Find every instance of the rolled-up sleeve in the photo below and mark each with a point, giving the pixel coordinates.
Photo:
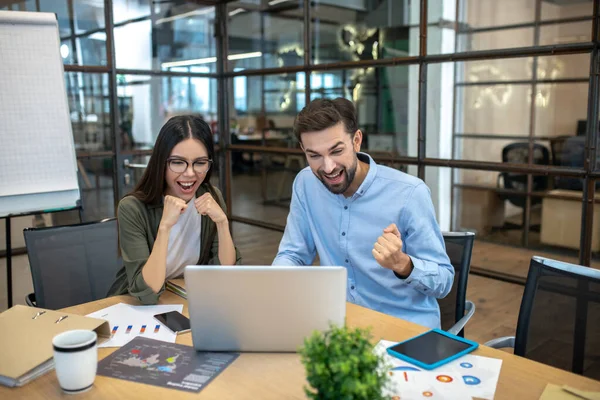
(135, 250)
(423, 242)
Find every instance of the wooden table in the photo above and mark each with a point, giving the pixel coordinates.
(281, 376)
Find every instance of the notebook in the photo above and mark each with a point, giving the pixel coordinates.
(177, 286)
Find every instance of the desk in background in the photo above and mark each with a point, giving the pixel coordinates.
(481, 208)
(244, 160)
(561, 220)
(281, 376)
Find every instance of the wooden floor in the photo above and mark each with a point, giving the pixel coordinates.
(513, 260)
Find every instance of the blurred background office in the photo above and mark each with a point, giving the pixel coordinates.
(493, 103)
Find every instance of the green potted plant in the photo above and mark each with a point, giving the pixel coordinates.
(340, 364)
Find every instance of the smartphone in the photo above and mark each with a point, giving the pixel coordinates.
(175, 321)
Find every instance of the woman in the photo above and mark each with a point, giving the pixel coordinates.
(174, 217)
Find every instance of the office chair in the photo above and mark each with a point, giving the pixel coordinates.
(572, 155)
(72, 264)
(559, 318)
(459, 247)
(556, 147)
(518, 153)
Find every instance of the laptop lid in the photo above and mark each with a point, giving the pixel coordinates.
(262, 308)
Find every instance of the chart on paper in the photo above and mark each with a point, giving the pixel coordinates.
(163, 364)
(128, 322)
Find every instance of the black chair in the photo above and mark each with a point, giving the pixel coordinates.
(572, 155)
(459, 247)
(556, 147)
(518, 153)
(72, 264)
(559, 319)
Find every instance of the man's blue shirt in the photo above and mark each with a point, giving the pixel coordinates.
(343, 231)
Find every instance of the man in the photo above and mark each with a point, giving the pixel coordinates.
(376, 221)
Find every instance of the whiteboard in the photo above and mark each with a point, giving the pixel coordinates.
(38, 167)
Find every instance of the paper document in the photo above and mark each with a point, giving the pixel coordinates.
(172, 366)
(128, 322)
(466, 377)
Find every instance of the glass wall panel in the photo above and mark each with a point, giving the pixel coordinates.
(486, 92)
(492, 13)
(576, 32)
(264, 109)
(386, 102)
(267, 36)
(483, 109)
(354, 30)
(147, 102)
(511, 69)
(562, 67)
(164, 35)
(88, 98)
(261, 185)
(561, 110)
(566, 9)
(81, 28)
(495, 39)
(96, 185)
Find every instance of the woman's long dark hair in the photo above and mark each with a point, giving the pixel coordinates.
(152, 185)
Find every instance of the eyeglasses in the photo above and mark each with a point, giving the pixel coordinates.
(179, 166)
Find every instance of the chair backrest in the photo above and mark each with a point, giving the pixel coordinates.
(572, 156)
(459, 247)
(72, 264)
(556, 147)
(559, 319)
(518, 153)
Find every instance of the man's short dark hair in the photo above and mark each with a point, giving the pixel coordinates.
(321, 114)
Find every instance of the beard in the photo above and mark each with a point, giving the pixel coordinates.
(348, 177)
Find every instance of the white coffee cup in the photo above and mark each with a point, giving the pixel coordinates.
(76, 359)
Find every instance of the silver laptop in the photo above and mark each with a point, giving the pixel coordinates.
(262, 308)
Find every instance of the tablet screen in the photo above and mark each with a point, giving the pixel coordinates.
(430, 347)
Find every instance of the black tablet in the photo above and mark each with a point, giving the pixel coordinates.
(432, 349)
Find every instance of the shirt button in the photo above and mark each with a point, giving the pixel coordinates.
(352, 287)
(345, 207)
(343, 233)
(346, 260)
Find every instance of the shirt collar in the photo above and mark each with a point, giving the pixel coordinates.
(370, 178)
